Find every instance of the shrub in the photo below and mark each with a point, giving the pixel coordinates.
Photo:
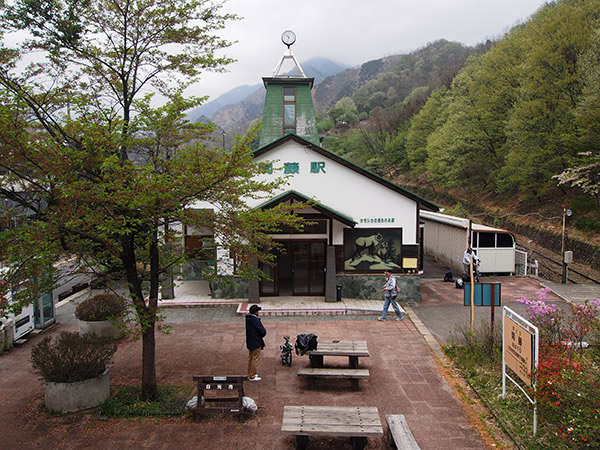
(71, 357)
(568, 397)
(100, 307)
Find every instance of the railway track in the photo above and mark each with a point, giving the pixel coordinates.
(555, 267)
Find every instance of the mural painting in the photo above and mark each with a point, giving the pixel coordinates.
(372, 249)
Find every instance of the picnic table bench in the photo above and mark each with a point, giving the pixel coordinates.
(356, 422)
(220, 394)
(399, 434)
(312, 373)
(352, 349)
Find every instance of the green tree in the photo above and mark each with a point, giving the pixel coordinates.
(422, 126)
(541, 130)
(100, 172)
(584, 169)
(344, 113)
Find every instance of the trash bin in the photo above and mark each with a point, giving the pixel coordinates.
(338, 292)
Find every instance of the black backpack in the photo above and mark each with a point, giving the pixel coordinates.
(305, 342)
(448, 276)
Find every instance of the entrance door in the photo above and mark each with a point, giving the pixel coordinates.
(299, 270)
(269, 287)
(308, 271)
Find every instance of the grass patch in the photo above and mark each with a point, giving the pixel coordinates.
(127, 402)
(513, 413)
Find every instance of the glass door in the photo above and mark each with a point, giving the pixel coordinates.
(269, 287)
(309, 268)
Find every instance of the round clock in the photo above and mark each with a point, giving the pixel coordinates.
(288, 37)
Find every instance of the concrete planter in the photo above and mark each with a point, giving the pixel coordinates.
(103, 328)
(3, 340)
(7, 334)
(69, 397)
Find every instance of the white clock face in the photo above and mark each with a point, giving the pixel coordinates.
(288, 37)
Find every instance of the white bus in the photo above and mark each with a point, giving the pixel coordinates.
(445, 238)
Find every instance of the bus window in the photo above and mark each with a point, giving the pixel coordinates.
(505, 241)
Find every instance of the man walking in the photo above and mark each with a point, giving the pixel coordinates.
(255, 332)
(390, 293)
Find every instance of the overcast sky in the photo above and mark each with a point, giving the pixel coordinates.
(351, 31)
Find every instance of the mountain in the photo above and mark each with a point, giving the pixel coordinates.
(371, 81)
(344, 84)
(234, 110)
(233, 96)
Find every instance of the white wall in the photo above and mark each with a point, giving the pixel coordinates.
(446, 243)
(345, 191)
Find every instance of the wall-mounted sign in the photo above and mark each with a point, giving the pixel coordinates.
(293, 167)
(372, 249)
(377, 220)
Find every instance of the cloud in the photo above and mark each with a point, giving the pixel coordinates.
(351, 31)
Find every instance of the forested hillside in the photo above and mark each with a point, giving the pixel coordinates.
(512, 133)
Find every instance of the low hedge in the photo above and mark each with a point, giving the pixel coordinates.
(101, 307)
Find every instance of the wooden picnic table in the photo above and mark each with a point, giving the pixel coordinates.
(352, 349)
(356, 422)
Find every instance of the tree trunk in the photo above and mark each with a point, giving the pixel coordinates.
(149, 385)
(147, 319)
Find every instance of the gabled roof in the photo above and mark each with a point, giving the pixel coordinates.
(330, 155)
(297, 196)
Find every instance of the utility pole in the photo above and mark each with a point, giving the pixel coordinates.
(562, 249)
(472, 281)
(566, 213)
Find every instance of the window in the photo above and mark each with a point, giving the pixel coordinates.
(505, 241)
(487, 240)
(198, 246)
(492, 240)
(289, 110)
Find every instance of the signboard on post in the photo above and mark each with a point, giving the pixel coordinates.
(482, 294)
(520, 349)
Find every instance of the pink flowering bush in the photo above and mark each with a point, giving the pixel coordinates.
(583, 322)
(556, 326)
(548, 317)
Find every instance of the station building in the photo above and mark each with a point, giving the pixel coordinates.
(364, 224)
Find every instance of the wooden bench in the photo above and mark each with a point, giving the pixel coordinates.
(220, 395)
(312, 373)
(398, 433)
(356, 422)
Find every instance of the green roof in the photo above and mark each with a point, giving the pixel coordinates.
(295, 195)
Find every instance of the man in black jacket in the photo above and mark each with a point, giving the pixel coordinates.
(255, 332)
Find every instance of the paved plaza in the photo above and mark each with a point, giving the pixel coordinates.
(208, 339)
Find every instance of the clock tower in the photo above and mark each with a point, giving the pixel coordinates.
(288, 101)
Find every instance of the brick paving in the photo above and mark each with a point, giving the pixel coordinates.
(210, 341)
(404, 379)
